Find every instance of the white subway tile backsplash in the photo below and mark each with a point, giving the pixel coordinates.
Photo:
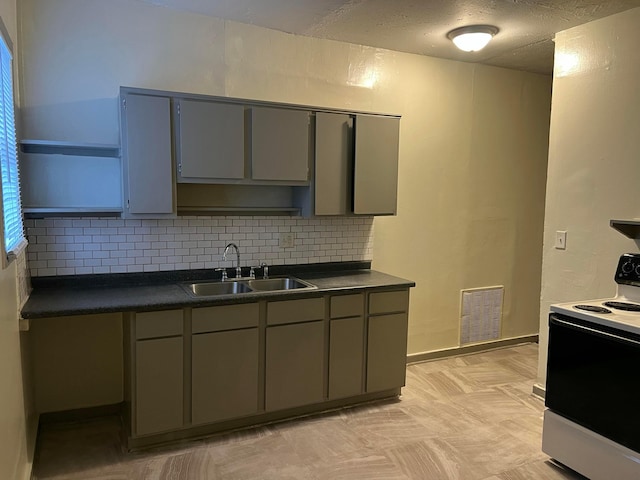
(63, 246)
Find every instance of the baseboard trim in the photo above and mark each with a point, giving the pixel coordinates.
(32, 438)
(80, 414)
(467, 349)
(539, 390)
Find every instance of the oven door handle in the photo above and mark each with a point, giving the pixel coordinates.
(593, 331)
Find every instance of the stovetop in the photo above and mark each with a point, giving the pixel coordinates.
(622, 319)
(621, 311)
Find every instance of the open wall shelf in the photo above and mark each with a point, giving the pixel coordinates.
(69, 148)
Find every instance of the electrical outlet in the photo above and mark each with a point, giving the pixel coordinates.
(561, 240)
(287, 240)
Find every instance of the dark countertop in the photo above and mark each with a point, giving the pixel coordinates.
(89, 295)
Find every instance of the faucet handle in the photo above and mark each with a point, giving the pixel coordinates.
(265, 269)
(224, 273)
(252, 272)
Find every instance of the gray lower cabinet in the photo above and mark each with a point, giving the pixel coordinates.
(294, 370)
(387, 340)
(294, 365)
(225, 362)
(224, 375)
(346, 346)
(238, 361)
(159, 381)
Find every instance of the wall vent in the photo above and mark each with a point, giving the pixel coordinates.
(480, 314)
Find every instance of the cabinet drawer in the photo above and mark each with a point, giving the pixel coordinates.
(347, 306)
(165, 323)
(227, 317)
(292, 311)
(389, 302)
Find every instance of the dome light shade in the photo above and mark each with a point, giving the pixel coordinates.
(473, 37)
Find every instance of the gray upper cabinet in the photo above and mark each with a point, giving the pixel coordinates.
(280, 144)
(356, 164)
(376, 165)
(147, 159)
(333, 181)
(184, 154)
(210, 140)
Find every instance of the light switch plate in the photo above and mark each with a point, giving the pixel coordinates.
(561, 240)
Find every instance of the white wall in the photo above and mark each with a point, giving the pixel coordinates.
(17, 424)
(473, 143)
(594, 166)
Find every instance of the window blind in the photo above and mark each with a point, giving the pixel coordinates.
(14, 239)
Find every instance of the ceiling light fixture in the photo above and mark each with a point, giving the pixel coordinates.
(472, 37)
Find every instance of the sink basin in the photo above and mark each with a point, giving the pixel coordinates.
(275, 284)
(233, 287)
(217, 288)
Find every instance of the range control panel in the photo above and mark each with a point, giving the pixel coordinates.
(628, 271)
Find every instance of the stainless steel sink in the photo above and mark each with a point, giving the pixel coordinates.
(275, 284)
(217, 288)
(234, 287)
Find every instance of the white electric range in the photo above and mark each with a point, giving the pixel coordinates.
(592, 420)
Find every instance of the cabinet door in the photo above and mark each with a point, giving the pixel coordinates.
(333, 164)
(346, 354)
(294, 367)
(159, 385)
(148, 173)
(210, 140)
(376, 165)
(386, 352)
(224, 375)
(279, 144)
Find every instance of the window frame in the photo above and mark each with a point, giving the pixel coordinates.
(8, 256)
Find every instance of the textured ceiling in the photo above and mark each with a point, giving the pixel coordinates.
(524, 42)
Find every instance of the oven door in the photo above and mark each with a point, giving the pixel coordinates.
(593, 378)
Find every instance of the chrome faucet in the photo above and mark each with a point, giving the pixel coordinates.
(224, 257)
